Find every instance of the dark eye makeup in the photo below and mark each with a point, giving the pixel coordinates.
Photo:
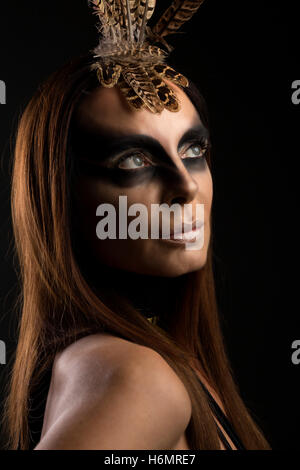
(139, 158)
(136, 159)
(134, 153)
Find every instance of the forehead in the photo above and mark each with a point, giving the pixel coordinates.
(106, 109)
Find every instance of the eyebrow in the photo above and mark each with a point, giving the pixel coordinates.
(195, 132)
(109, 144)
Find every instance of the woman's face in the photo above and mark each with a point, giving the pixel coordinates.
(152, 159)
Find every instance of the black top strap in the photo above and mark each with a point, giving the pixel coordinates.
(223, 438)
(223, 420)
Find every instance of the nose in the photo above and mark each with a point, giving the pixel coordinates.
(180, 186)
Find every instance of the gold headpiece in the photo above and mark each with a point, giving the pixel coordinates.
(127, 54)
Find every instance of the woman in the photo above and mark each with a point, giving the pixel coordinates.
(118, 380)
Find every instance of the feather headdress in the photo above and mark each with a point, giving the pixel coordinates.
(128, 54)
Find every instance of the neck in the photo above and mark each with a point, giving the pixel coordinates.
(151, 295)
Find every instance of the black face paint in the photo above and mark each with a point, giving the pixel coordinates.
(97, 155)
(195, 164)
(116, 176)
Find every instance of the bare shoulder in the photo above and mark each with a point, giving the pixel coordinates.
(126, 394)
(102, 356)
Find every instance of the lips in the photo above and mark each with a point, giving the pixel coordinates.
(186, 229)
(186, 232)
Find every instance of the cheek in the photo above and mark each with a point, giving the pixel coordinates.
(120, 253)
(209, 189)
(89, 194)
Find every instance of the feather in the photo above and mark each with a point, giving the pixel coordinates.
(127, 6)
(165, 93)
(128, 57)
(108, 74)
(175, 16)
(139, 80)
(108, 19)
(134, 101)
(165, 71)
(144, 12)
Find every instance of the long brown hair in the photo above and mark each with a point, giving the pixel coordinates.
(59, 305)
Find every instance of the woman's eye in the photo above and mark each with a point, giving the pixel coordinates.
(133, 162)
(196, 150)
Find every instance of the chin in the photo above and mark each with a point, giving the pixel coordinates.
(175, 266)
(152, 259)
(176, 271)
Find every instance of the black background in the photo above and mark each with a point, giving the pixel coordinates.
(244, 57)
